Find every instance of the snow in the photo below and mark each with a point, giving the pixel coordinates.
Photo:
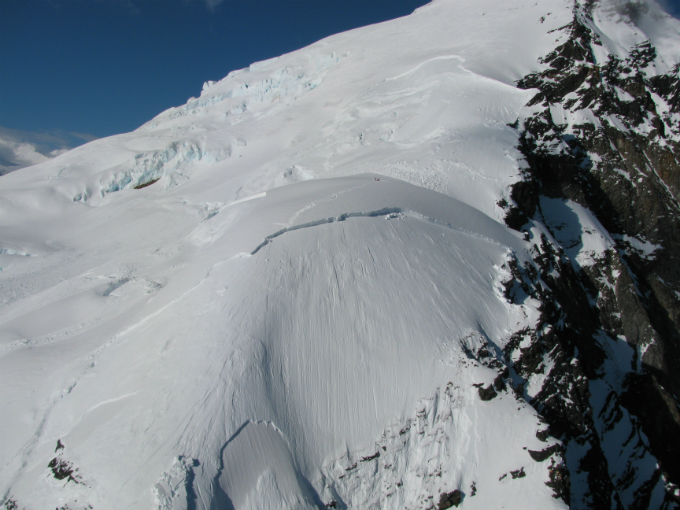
(576, 229)
(316, 249)
(623, 445)
(623, 24)
(535, 383)
(646, 249)
(571, 119)
(349, 314)
(445, 427)
(436, 115)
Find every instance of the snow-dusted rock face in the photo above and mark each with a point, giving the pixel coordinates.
(599, 201)
(423, 264)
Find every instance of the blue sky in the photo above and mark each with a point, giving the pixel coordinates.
(100, 67)
(82, 68)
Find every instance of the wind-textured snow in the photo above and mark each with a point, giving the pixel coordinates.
(282, 314)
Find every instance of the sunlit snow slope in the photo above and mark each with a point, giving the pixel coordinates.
(286, 315)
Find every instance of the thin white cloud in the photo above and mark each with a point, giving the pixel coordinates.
(19, 149)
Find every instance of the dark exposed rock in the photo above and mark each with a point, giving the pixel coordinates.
(62, 469)
(659, 416)
(559, 481)
(542, 455)
(487, 393)
(449, 499)
(370, 457)
(10, 504)
(147, 183)
(543, 434)
(623, 307)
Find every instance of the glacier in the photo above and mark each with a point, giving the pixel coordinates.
(292, 291)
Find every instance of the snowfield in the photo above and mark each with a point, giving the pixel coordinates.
(284, 334)
(277, 295)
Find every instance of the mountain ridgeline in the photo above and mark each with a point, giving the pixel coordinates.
(609, 324)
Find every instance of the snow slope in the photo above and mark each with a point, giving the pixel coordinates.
(310, 274)
(281, 319)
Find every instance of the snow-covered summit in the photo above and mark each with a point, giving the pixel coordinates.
(424, 98)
